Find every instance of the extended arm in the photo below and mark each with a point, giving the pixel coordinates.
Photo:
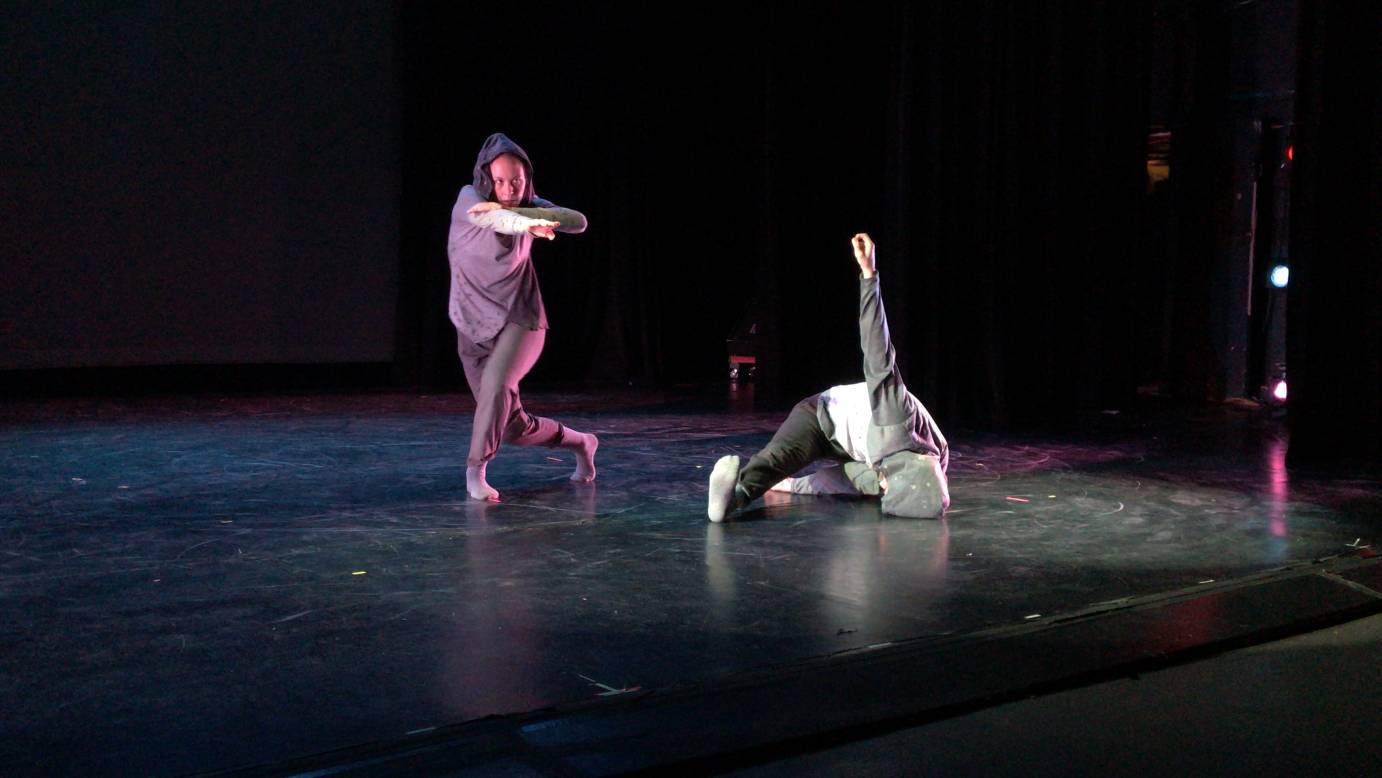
(888, 396)
(473, 211)
(567, 220)
(505, 221)
(542, 221)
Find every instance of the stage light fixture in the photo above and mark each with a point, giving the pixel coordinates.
(1281, 275)
(1279, 391)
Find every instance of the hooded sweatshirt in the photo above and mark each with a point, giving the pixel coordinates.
(493, 281)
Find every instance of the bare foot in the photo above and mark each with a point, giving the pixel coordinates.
(585, 459)
(477, 487)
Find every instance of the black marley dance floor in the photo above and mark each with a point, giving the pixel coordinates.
(297, 585)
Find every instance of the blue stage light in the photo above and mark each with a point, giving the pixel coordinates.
(1280, 276)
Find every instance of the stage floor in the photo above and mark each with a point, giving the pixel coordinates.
(199, 584)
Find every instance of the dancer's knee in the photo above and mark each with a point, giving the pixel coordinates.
(497, 390)
(525, 429)
(519, 428)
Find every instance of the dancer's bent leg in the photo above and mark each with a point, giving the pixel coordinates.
(798, 442)
(499, 413)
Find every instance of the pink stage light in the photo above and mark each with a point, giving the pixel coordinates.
(1279, 391)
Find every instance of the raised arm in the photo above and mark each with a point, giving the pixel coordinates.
(865, 254)
(888, 396)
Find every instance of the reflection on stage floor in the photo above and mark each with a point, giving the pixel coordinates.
(197, 584)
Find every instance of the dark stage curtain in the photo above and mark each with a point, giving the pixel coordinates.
(995, 150)
(1334, 344)
(657, 137)
(211, 187)
(1016, 142)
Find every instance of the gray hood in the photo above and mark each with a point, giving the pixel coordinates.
(917, 487)
(496, 145)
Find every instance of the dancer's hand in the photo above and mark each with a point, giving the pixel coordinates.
(485, 207)
(864, 254)
(544, 228)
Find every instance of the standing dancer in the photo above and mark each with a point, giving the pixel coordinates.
(497, 307)
(884, 437)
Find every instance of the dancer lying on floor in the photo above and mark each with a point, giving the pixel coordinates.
(883, 438)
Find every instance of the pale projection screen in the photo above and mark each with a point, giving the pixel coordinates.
(198, 183)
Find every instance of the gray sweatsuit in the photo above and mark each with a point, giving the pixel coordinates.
(496, 305)
(894, 420)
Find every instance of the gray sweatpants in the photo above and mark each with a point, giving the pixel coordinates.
(493, 376)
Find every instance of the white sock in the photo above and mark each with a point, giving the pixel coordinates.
(723, 480)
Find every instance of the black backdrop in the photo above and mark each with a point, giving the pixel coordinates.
(1335, 326)
(995, 151)
(197, 183)
(291, 169)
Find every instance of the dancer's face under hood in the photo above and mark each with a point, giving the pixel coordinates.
(503, 172)
(510, 180)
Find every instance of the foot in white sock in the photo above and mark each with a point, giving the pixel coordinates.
(722, 482)
(476, 485)
(585, 458)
